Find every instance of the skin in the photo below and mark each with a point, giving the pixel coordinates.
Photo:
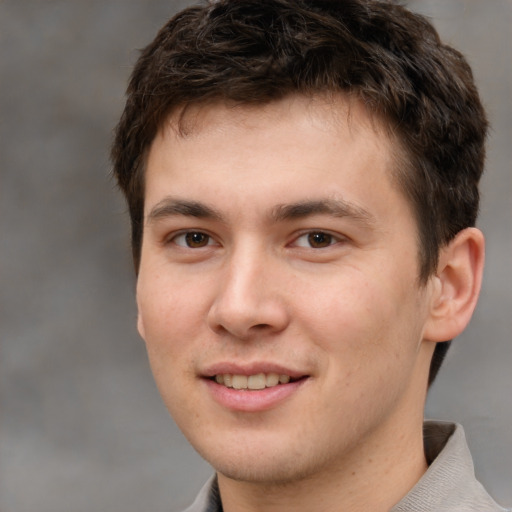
(342, 307)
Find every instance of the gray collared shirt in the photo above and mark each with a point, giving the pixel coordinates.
(449, 484)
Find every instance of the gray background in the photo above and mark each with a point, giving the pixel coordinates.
(82, 426)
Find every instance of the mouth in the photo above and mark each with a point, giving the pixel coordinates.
(254, 382)
(255, 386)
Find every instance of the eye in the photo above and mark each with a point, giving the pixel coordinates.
(316, 240)
(193, 239)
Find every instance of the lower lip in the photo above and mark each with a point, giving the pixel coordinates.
(252, 400)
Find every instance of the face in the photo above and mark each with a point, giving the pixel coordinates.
(278, 289)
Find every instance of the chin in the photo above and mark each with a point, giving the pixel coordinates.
(264, 463)
(269, 472)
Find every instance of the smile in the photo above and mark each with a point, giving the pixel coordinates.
(251, 382)
(253, 392)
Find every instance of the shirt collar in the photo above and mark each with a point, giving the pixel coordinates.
(449, 484)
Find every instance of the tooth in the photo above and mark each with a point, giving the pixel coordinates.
(256, 381)
(272, 380)
(240, 381)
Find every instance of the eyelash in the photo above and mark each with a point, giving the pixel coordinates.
(329, 239)
(187, 239)
(324, 239)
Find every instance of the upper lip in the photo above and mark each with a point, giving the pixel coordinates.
(253, 368)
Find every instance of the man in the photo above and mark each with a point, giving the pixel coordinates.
(302, 178)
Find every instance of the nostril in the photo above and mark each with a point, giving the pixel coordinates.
(246, 318)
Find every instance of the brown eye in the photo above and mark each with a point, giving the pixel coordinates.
(319, 240)
(192, 240)
(196, 239)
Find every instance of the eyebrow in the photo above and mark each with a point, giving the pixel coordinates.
(170, 207)
(333, 207)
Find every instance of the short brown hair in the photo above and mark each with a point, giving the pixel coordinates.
(257, 51)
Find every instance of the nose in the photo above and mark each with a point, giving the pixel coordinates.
(250, 299)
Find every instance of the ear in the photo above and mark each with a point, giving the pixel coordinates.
(456, 285)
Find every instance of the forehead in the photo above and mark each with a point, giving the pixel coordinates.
(298, 137)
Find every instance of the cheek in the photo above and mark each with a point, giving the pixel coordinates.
(168, 315)
(344, 308)
(364, 325)
(169, 324)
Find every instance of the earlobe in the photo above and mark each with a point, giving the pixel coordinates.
(456, 285)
